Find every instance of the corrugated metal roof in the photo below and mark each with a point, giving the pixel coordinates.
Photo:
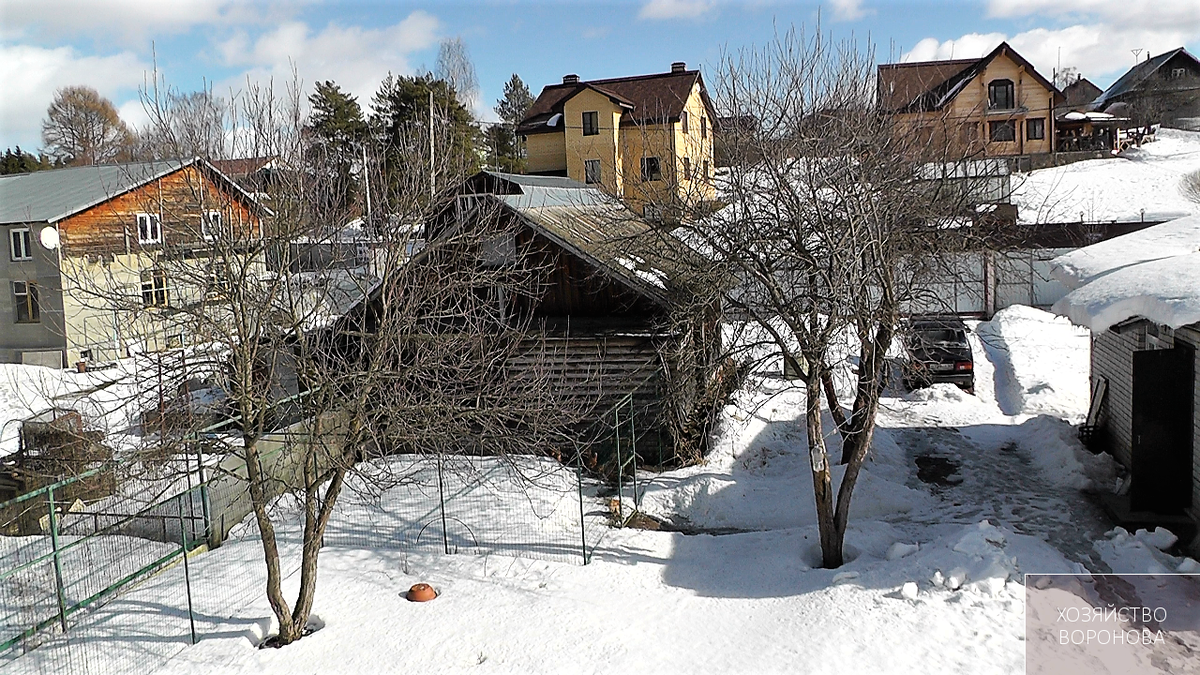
(49, 196)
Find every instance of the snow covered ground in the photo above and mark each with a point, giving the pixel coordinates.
(1142, 184)
(961, 496)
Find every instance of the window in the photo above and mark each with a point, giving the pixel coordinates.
(1178, 73)
(1000, 95)
(18, 239)
(704, 174)
(703, 127)
(1035, 129)
(591, 123)
(154, 288)
(591, 171)
(149, 228)
(1002, 131)
(25, 298)
(210, 224)
(683, 122)
(651, 169)
(687, 168)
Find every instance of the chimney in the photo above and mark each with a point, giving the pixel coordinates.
(678, 67)
(571, 79)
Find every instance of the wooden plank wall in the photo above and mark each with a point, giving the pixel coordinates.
(179, 198)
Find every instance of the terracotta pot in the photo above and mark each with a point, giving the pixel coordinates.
(421, 593)
(81, 366)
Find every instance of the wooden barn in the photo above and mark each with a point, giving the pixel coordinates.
(601, 305)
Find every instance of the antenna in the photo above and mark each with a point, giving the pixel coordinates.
(1137, 54)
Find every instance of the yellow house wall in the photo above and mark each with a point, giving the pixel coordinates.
(602, 146)
(696, 148)
(966, 119)
(546, 152)
(102, 307)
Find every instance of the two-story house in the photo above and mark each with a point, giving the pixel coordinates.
(1164, 89)
(645, 139)
(998, 106)
(84, 274)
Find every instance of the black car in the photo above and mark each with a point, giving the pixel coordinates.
(937, 351)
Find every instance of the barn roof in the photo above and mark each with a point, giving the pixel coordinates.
(588, 223)
(50, 196)
(648, 98)
(1136, 75)
(930, 85)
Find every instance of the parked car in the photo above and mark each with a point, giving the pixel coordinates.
(937, 351)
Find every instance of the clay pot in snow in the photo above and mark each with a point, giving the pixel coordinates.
(421, 593)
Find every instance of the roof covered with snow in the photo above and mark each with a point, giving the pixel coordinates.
(1143, 183)
(1152, 274)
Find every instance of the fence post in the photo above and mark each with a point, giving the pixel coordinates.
(442, 502)
(58, 582)
(579, 484)
(187, 572)
(633, 457)
(620, 464)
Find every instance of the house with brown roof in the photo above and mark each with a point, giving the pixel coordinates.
(998, 105)
(646, 139)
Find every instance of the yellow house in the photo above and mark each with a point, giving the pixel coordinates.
(646, 139)
(998, 105)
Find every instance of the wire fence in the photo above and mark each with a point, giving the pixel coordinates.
(122, 559)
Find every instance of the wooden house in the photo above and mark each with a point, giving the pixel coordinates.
(998, 105)
(598, 303)
(646, 139)
(1160, 90)
(83, 272)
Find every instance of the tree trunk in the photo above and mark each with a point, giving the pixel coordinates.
(835, 407)
(316, 516)
(258, 499)
(831, 543)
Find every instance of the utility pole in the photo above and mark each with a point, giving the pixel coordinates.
(431, 179)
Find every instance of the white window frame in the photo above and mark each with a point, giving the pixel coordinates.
(153, 222)
(26, 244)
(208, 228)
(588, 175)
(32, 302)
(160, 295)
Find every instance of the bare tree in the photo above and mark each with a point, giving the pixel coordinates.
(83, 127)
(454, 65)
(833, 217)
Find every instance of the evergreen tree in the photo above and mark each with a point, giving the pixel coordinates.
(511, 108)
(400, 123)
(335, 134)
(19, 161)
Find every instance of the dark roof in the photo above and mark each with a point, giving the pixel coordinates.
(648, 98)
(50, 196)
(587, 222)
(1136, 75)
(1080, 92)
(239, 168)
(930, 85)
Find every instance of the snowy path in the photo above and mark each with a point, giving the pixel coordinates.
(995, 479)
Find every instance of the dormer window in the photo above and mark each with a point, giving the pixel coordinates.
(1000, 95)
(591, 123)
(149, 228)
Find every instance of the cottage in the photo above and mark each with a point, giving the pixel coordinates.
(1159, 90)
(83, 275)
(1140, 296)
(646, 139)
(998, 105)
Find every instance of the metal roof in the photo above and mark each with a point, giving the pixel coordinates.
(50, 196)
(1136, 76)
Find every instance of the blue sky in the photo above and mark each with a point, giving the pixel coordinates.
(111, 45)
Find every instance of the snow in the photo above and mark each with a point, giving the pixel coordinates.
(933, 579)
(1166, 240)
(1164, 291)
(1142, 184)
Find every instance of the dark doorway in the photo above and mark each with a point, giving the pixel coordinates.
(1162, 430)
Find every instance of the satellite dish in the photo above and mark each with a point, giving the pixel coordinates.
(49, 238)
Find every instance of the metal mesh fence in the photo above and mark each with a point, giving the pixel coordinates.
(112, 571)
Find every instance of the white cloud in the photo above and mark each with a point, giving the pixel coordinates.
(849, 10)
(354, 57)
(1099, 51)
(132, 19)
(32, 74)
(675, 9)
(1122, 14)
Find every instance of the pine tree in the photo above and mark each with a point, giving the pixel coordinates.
(511, 108)
(335, 133)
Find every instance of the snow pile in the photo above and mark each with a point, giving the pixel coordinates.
(1170, 239)
(1163, 291)
(1142, 184)
(1042, 362)
(1055, 449)
(1143, 552)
